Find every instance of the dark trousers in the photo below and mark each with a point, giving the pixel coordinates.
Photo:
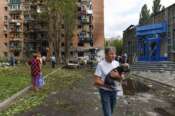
(108, 101)
(53, 64)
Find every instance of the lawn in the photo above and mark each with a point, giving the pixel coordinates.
(57, 81)
(14, 79)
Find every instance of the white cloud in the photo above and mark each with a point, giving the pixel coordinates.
(119, 14)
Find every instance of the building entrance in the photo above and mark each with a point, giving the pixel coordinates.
(150, 44)
(153, 48)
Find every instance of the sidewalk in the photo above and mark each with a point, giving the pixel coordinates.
(164, 77)
(71, 93)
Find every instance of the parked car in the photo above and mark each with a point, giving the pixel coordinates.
(72, 64)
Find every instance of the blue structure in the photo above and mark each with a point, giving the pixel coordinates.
(148, 41)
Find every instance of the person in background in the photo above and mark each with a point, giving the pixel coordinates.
(53, 60)
(44, 60)
(108, 95)
(12, 60)
(35, 65)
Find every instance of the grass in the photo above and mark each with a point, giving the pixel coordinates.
(14, 79)
(60, 80)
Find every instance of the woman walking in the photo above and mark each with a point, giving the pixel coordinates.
(35, 64)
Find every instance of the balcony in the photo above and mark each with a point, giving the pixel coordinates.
(5, 22)
(15, 9)
(15, 48)
(14, 1)
(17, 21)
(89, 11)
(28, 19)
(85, 37)
(15, 39)
(86, 28)
(82, 12)
(15, 45)
(85, 19)
(15, 30)
(88, 40)
(5, 29)
(86, 1)
(26, 7)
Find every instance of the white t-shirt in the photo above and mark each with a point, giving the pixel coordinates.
(53, 58)
(103, 68)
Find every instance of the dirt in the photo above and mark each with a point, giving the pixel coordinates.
(82, 99)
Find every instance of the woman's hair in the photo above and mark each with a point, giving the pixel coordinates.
(35, 55)
(108, 49)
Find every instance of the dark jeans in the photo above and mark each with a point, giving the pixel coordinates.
(108, 100)
(53, 64)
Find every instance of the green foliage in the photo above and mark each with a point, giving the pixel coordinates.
(14, 79)
(24, 103)
(106, 43)
(69, 23)
(144, 15)
(58, 81)
(117, 43)
(157, 7)
(61, 12)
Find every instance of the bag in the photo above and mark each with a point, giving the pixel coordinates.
(41, 81)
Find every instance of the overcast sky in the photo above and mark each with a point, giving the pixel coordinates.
(119, 14)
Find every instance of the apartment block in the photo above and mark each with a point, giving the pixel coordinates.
(24, 31)
(89, 34)
(35, 27)
(15, 29)
(27, 31)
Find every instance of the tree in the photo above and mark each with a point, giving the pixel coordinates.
(54, 10)
(60, 12)
(118, 44)
(69, 24)
(106, 43)
(144, 15)
(157, 7)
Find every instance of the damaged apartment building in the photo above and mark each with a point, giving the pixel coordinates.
(23, 31)
(89, 38)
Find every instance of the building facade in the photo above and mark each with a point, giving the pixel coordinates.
(98, 23)
(4, 41)
(129, 40)
(89, 34)
(24, 31)
(90, 27)
(155, 41)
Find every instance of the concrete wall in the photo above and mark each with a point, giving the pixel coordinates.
(98, 23)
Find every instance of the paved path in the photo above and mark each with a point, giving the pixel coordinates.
(164, 77)
(82, 99)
